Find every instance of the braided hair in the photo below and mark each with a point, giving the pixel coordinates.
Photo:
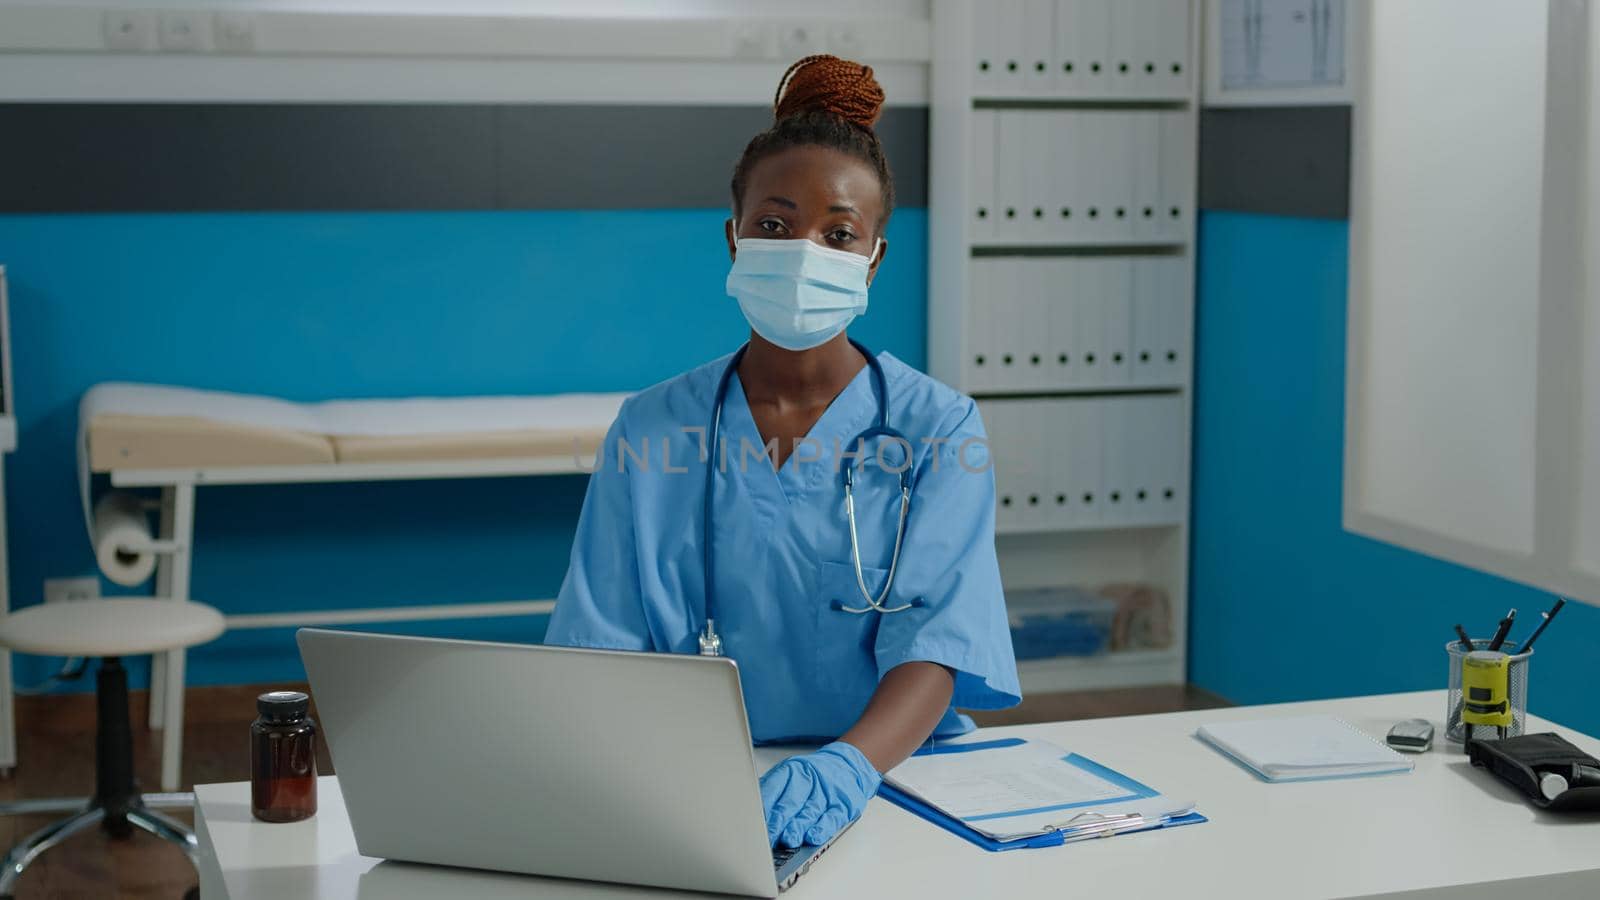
(822, 101)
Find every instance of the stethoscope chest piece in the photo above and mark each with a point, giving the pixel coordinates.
(710, 641)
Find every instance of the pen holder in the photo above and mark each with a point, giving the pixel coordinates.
(1516, 692)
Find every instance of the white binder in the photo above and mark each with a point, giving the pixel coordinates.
(1126, 155)
(983, 172)
(1177, 319)
(1011, 78)
(1090, 286)
(1116, 341)
(1030, 319)
(978, 353)
(1177, 179)
(986, 62)
(1145, 454)
(1145, 152)
(1040, 163)
(1171, 491)
(1084, 421)
(1039, 24)
(1067, 177)
(1127, 31)
(1117, 473)
(994, 427)
(1011, 181)
(1043, 427)
(1172, 50)
(1090, 27)
(1005, 291)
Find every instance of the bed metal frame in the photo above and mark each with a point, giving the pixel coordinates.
(175, 546)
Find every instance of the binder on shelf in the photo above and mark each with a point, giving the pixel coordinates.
(986, 62)
(1063, 288)
(1005, 289)
(1176, 178)
(1172, 490)
(1039, 444)
(1011, 186)
(1092, 46)
(1176, 320)
(1009, 464)
(1034, 795)
(1012, 47)
(1040, 164)
(1038, 46)
(1145, 433)
(1116, 440)
(1172, 50)
(1146, 200)
(983, 171)
(1068, 177)
(1116, 333)
(1089, 287)
(978, 348)
(1084, 421)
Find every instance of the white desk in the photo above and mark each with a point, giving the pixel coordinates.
(1445, 830)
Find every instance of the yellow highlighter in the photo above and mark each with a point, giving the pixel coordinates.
(1485, 691)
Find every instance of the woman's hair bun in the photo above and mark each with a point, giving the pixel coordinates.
(830, 85)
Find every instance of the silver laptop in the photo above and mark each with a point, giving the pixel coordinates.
(591, 764)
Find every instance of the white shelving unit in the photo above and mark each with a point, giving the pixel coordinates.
(1061, 272)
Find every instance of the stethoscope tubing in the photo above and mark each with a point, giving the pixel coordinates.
(710, 641)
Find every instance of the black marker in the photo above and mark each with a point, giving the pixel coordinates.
(1466, 642)
(1504, 629)
(1560, 602)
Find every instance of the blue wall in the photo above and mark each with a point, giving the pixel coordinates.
(1276, 581)
(312, 306)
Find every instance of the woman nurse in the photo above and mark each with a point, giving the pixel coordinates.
(830, 649)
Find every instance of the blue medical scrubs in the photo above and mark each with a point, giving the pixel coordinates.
(782, 551)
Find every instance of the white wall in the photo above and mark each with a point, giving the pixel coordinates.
(1468, 433)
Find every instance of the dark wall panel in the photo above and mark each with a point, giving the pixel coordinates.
(191, 157)
(1287, 160)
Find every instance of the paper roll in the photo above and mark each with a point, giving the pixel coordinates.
(120, 523)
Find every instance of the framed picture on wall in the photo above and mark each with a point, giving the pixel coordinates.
(1280, 52)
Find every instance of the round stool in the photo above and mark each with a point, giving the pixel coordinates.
(109, 629)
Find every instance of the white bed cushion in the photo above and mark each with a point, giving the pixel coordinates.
(157, 426)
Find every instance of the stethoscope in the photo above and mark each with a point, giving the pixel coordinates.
(710, 641)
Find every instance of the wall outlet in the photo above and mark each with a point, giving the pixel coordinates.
(797, 39)
(129, 30)
(184, 32)
(71, 590)
(234, 32)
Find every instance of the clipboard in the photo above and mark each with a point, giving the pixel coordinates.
(1090, 830)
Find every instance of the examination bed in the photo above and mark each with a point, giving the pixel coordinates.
(144, 436)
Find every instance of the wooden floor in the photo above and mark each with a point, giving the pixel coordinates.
(55, 758)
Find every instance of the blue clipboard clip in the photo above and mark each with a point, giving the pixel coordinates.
(1098, 825)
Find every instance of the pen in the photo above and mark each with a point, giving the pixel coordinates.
(1466, 642)
(1504, 629)
(1560, 602)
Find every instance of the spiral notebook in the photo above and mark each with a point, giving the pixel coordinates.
(1303, 748)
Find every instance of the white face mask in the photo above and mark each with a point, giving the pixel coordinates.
(796, 293)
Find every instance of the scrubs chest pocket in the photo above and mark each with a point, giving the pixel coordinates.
(846, 661)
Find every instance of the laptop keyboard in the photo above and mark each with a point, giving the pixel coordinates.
(781, 855)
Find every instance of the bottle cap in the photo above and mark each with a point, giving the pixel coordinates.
(283, 704)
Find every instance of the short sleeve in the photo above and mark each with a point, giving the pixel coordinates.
(950, 563)
(600, 603)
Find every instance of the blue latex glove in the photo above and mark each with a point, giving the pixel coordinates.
(810, 798)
